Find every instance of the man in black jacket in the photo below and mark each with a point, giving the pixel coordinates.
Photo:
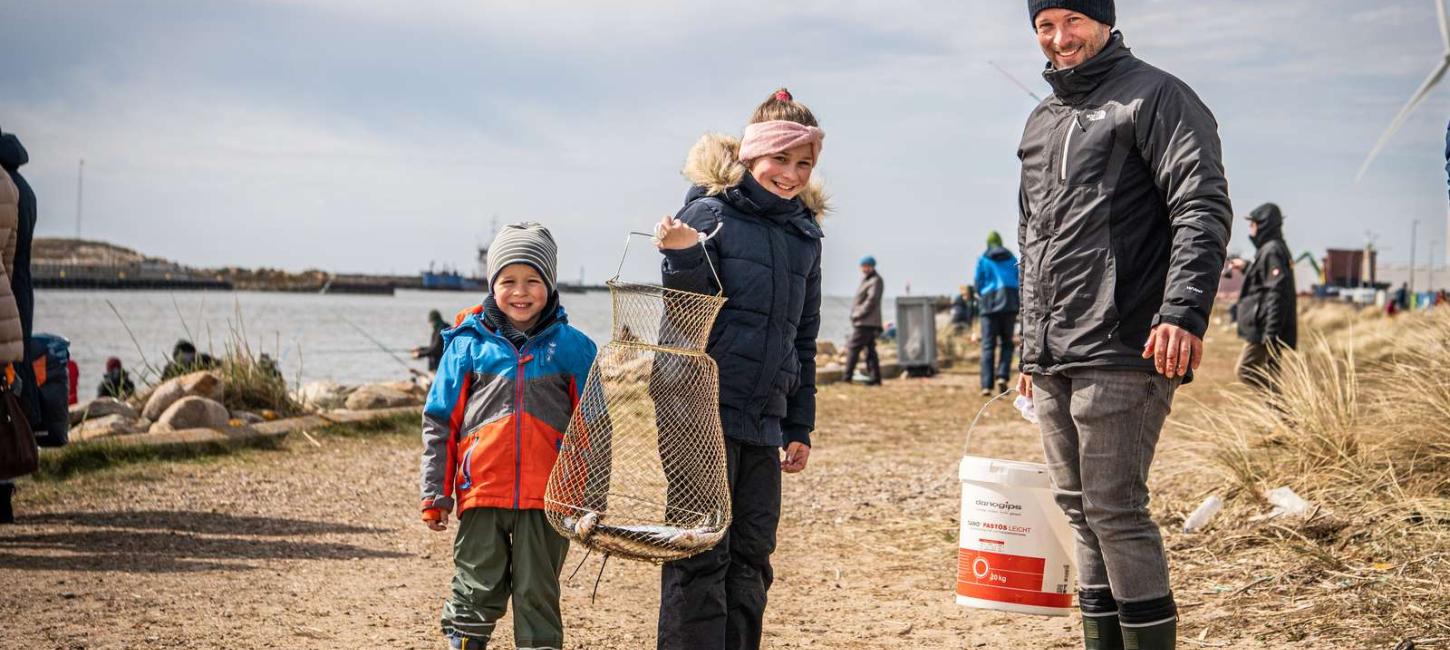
(1124, 222)
(1267, 317)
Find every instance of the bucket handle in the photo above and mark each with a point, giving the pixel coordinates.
(966, 444)
(703, 238)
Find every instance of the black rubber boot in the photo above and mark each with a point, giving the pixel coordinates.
(7, 513)
(1158, 636)
(1149, 624)
(1101, 632)
(1100, 629)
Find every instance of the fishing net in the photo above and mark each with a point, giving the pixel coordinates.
(641, 472)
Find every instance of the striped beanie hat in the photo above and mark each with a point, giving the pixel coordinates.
(523, 243)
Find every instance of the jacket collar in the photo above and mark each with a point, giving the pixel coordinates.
(1073, 84)
(752, 198)
(477, 324)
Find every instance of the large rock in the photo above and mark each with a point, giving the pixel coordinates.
(192, 412)
(101, 407)
(416, 387)
(204, 383)
(111, 425)
(323, 395)
(381, 396)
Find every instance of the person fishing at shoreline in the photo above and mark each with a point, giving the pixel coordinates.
(1124, 225)
(433, 352)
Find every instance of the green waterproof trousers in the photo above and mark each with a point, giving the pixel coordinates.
(501, 552)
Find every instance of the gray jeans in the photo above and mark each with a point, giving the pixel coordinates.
(1100, 429)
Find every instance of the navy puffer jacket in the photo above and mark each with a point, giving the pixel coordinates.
(769, 258)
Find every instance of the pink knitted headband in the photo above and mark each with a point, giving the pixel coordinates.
(775, 136)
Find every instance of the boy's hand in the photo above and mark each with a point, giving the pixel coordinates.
(436, 518)
(796, 454)
(674, 235)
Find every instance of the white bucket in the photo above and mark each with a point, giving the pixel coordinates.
(1016, 544)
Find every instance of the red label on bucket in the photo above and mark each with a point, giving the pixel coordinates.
(1005, 578)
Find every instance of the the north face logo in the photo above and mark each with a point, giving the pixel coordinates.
(1094, 116)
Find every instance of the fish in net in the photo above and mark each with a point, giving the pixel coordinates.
(641, 471)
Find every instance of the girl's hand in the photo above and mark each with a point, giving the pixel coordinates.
(796, 454)
(674, 235)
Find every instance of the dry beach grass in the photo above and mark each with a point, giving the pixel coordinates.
(307, 545)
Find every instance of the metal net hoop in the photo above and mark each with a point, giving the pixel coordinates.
(641, 470)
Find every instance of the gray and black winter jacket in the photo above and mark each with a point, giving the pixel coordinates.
(1125, 213)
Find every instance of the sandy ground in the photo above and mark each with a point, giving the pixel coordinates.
(320, 547)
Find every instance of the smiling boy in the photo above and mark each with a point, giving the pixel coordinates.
(496, 414)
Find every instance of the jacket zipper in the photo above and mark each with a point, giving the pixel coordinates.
(1067, 145)
(519, 424)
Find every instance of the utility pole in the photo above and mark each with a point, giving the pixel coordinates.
(1430, 281)
(80, 185)
(1414, 232)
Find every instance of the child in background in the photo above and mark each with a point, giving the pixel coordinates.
(496, 414)
(768, 255)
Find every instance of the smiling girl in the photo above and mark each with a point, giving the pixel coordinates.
(758, 192)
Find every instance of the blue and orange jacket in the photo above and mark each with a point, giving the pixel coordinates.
(496, 415)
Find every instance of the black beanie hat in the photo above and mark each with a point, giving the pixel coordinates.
(1099, 10)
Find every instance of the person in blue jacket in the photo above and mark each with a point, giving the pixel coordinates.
(997, 291)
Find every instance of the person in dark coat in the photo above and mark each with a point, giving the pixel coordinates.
(1124, 223)
(434, 350)
(116, 382)
(185, 359)
(866, 324)
(1266, 312)
(964, 309)
(999, 291)
(12, 157)
(755, 195)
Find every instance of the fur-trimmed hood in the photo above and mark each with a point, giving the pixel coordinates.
(713, 165)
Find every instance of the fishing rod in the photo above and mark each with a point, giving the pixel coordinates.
(1013, 79)
(385, 349)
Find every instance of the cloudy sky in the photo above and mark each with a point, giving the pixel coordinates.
(380, 136)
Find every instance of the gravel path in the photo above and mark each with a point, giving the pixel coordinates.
(320, 547)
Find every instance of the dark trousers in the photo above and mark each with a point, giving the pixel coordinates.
(716, 600)
(1259, 365)
(863, 338)
(997, 336)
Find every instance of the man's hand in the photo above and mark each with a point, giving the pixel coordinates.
(1024, 385)
(436, 518)
(796, 454)
(1173, 350)
(1238, 264)
(671, 234)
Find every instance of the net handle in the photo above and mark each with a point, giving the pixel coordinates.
(703, 238)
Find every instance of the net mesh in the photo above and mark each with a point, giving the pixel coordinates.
(641, 472)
